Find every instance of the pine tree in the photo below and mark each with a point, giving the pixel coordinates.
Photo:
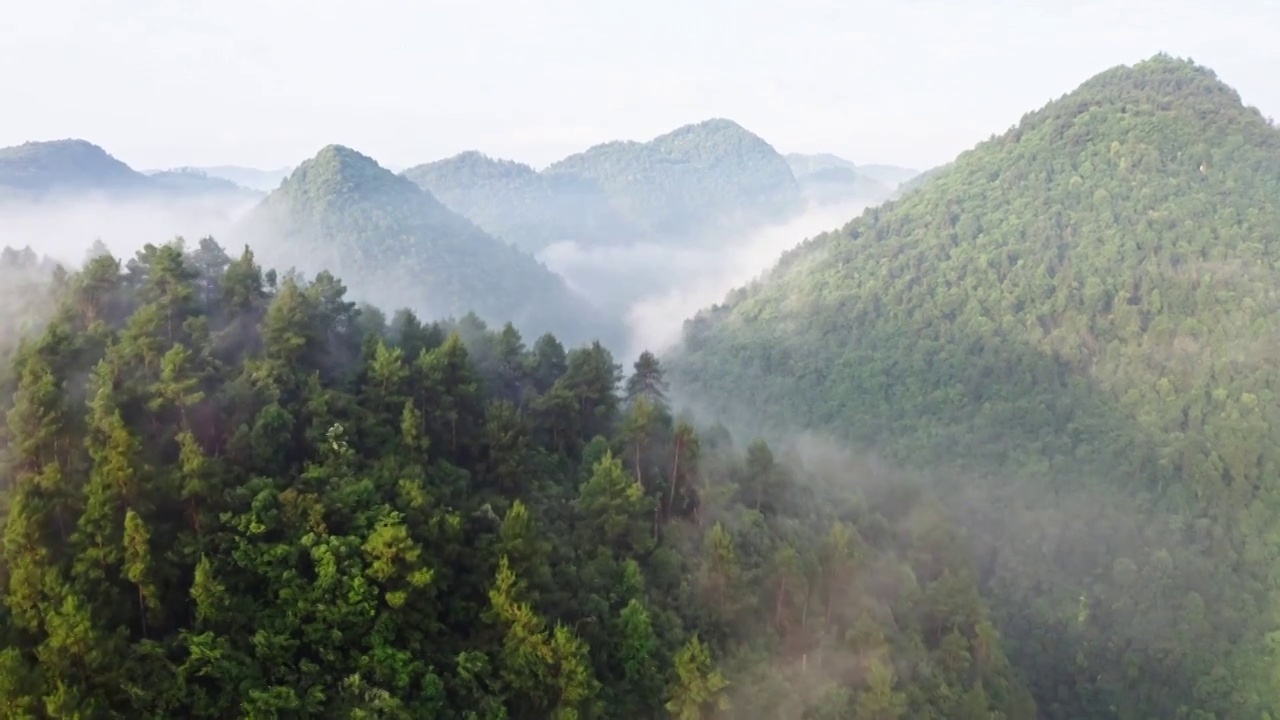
(699, 690)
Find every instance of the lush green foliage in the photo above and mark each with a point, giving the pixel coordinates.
(235, 496)
(680, 186)
(396, 245)
(1074, 325)
(918, 180)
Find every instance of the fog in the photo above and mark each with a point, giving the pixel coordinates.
(648, 287)
(654, 287)
(1043, 548)
(63, 229)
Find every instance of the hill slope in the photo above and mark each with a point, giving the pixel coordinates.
(398, 246)
(252, 178)
(192, 181)
(72, 168)
(827, 179)
(40, 168)
(697, 177)
(684, 185)
(517, 203)
(1085, 305)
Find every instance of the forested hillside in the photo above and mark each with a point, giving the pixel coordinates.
(709, 175)
(693, 183)
(232, 494)
(192, 181)
(1070, 333)
(397, 245)
(60, 168)
(514, 202)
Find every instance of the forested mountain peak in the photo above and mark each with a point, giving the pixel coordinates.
(1173, 78)
(73, 167)
(337, 171)
(515, 202)
(694, 136)
(397, 245)
(71, 164)
(711, 141)
(687, 183)
(1080, 310)
(698, 177)
(471, 165)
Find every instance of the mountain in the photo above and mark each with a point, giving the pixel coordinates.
(75, 168)
(890, 175)
(803, 164)
(1069, 333)
(515, 202)
(693, 183)
(253, 178)
(62, 195)
(40, 169)
(695, 179)
(192, 181)
(398, 246)
(827, 179)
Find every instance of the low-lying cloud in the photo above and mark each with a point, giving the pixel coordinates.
(63, 229)
(657, 287)
(652, 287)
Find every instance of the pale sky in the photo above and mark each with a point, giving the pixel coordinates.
(267, 83)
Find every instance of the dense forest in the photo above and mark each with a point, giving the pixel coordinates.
(229, 493)
(1068, 335)
(396, 245)
(1004, 447)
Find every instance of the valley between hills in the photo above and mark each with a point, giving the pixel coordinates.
(686, 427)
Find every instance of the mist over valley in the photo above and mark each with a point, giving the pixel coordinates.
(745, 381)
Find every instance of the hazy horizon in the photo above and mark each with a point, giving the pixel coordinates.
(267, 84)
